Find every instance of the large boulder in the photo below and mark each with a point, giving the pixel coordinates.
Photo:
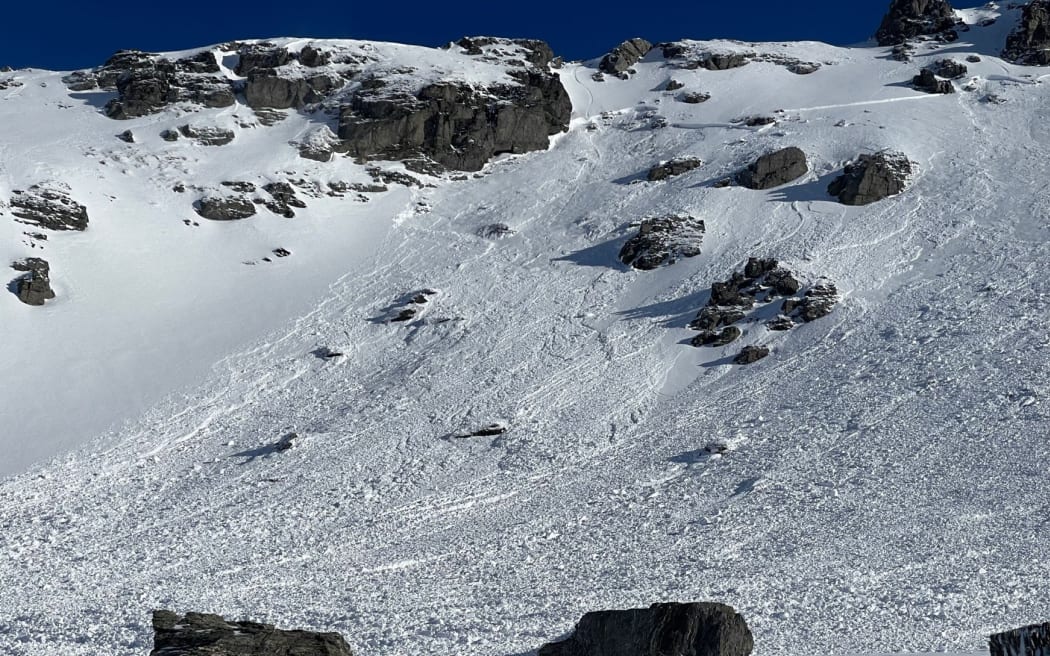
(668, 629)
(927, 81)
(458, 125)
(624, 56)
(34, 288)
(198, 634)
(221, 207)
(775, 169)
(1029, 43)
(49, 206)
(1031, 640)
(907, 19)
(662, 241)
(871, 178)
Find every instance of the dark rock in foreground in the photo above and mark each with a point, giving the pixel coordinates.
(198, 634)
(665, 170)
(34, 288)
(775, 169)
(1030, 42)
(871, 178)
(930, 83)
(207, 135)
(670, 629)
(1031, 640)
(907, 19)
(950, 69)
(662, 241)
(49, 206)
(225, 208)
(624, 56)
(751, 354)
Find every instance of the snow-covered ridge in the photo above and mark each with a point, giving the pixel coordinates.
(873, 485)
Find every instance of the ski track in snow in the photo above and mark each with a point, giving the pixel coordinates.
(884, 488)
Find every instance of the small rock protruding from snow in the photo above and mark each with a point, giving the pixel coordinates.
(671, 168)
(871, 178)
(751, 354)
(495, 231)
(221, 207)
(775, 169)
(207, 135)
(663, 629)
(663, 240)
(927, 81)
(175, 635)
(34, 288)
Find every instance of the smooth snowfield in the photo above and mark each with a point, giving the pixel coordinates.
(885, 488)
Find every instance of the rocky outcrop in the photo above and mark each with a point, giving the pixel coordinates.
(274, 89)
(282, 199)
(49, 206)
(1033, 640)
(671, 168)
(695, 97)
(667, 629)
(320, 145)
(751, 354)
(207, 135)
(518, 52)
(1029, 43)
(950, 69)
(930, 83)
(621, 58)
(662, 241)
(457, 125)
(34, 288)
(198, 634)
(222, 207)
(871, 178)
(907, 19)
(775, 169)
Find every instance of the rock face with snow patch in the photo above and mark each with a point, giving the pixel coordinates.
(907, 19)
(775, 169)
(624, 56)
(459, 126)
(1029, 43)
(225, 208)
(199, 634)
(669, 629)
(871, 178)
(927, 81)
(34, 288)
(49, 206)
(663, 241)
(1031, 640)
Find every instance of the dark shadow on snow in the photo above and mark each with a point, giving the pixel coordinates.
(676, 313)
(813, 190)
(605, 255)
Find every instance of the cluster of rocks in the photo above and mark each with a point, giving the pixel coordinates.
(620, 59)
(929, 82)
(234, 201)
(204, 135)
(908, 19)
(199, 634)
(276, 78)
(1030, 43)
(410, 306)
(665, 629)
(762, 282)
(775, 169)
(49, 205)
(455, 124)
(673, 167)
(872, 177)
(662, 241)
(34, 288)
(695, 97)
(693, 56)
(495, 231)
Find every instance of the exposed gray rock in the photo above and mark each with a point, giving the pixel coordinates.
(668, 629)
(712, 317)
(722, 337)
(871, 178)
(170, 135)
(146, 83)
(34, 288)
(241, 187)
(282, 199)
(320, 145)
(198, 634)
(1029, 43)
(495, 231)
(624, 56)
(49, 206)
(775, 169)
(751, 354)
(225, 208)
(695, 97)
(673, 85)
(1033, 640)
(930, 83)
(274, 89)
(458, 126)
(207, 135)
(819, 301)
(803, 68)
(312, 57)
(127, 136)
(907, 19)
(950, 69)
(528, 51)
(671, 168)
(663, 241)
(260, 55)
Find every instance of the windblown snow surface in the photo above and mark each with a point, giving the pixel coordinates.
(885, 487)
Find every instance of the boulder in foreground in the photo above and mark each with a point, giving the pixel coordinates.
(775, 169)
(871, 178)
(668, 629)
(1031, 640)
(198, 634)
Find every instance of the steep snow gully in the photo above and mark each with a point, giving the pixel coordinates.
(199, 422)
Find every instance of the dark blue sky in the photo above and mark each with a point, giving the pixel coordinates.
(66, 35)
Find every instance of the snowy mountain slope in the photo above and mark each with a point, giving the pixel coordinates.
(884, 484)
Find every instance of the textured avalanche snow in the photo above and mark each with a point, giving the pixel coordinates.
(885, 489)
